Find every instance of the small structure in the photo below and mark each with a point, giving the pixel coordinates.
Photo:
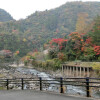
(76, 71)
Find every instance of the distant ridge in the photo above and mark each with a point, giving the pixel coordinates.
(5, 16)
(41, 26)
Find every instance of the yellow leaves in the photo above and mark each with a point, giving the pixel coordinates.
(44, 64)
(24, 40)
(25, 58)
(96, 66)
(39, 37)
(81, 23)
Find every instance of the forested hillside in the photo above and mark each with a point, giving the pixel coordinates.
(4, 16)
(77, 47)
(40, 27)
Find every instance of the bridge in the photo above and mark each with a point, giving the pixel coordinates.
(36, 95)
(76, 71)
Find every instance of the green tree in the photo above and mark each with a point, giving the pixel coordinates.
(95, 33)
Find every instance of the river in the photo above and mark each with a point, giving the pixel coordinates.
(73, 90)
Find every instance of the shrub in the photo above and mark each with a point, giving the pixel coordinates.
(96, 67)
(25, 62)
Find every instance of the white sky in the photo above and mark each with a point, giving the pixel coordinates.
(23, 8)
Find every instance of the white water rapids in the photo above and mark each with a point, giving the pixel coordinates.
(73, 90)
(70, 89)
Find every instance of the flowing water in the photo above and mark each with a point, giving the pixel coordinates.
(52, 87)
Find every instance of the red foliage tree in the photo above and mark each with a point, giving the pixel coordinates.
(59, 42)
(97, 50)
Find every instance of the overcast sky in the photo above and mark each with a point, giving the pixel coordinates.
(22, 8)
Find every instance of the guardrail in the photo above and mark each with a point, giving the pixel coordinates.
(61, 82)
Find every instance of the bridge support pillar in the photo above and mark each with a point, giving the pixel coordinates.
(67, 71)
(80, 71)
(84, 71)
(62, 70)
(76, 71)
(73, 71)
(70, 70)
(87, 72)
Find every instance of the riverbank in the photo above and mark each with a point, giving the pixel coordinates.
(57, 73)
(30, 72)
(10, 72)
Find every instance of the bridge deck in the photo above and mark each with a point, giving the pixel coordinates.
(36, 95)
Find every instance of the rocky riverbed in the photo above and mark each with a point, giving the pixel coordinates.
(13, 72)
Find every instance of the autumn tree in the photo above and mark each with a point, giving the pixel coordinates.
(81, 23)
(95, 32)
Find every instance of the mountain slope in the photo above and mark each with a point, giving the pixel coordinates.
(42, 26)
(4, 16)
(58, 22)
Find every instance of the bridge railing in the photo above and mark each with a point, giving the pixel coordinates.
(44, 84)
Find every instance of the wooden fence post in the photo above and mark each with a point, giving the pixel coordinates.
(22, 83)
(40, 83)
(7, 84)
(87, 87)
(61, 85)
